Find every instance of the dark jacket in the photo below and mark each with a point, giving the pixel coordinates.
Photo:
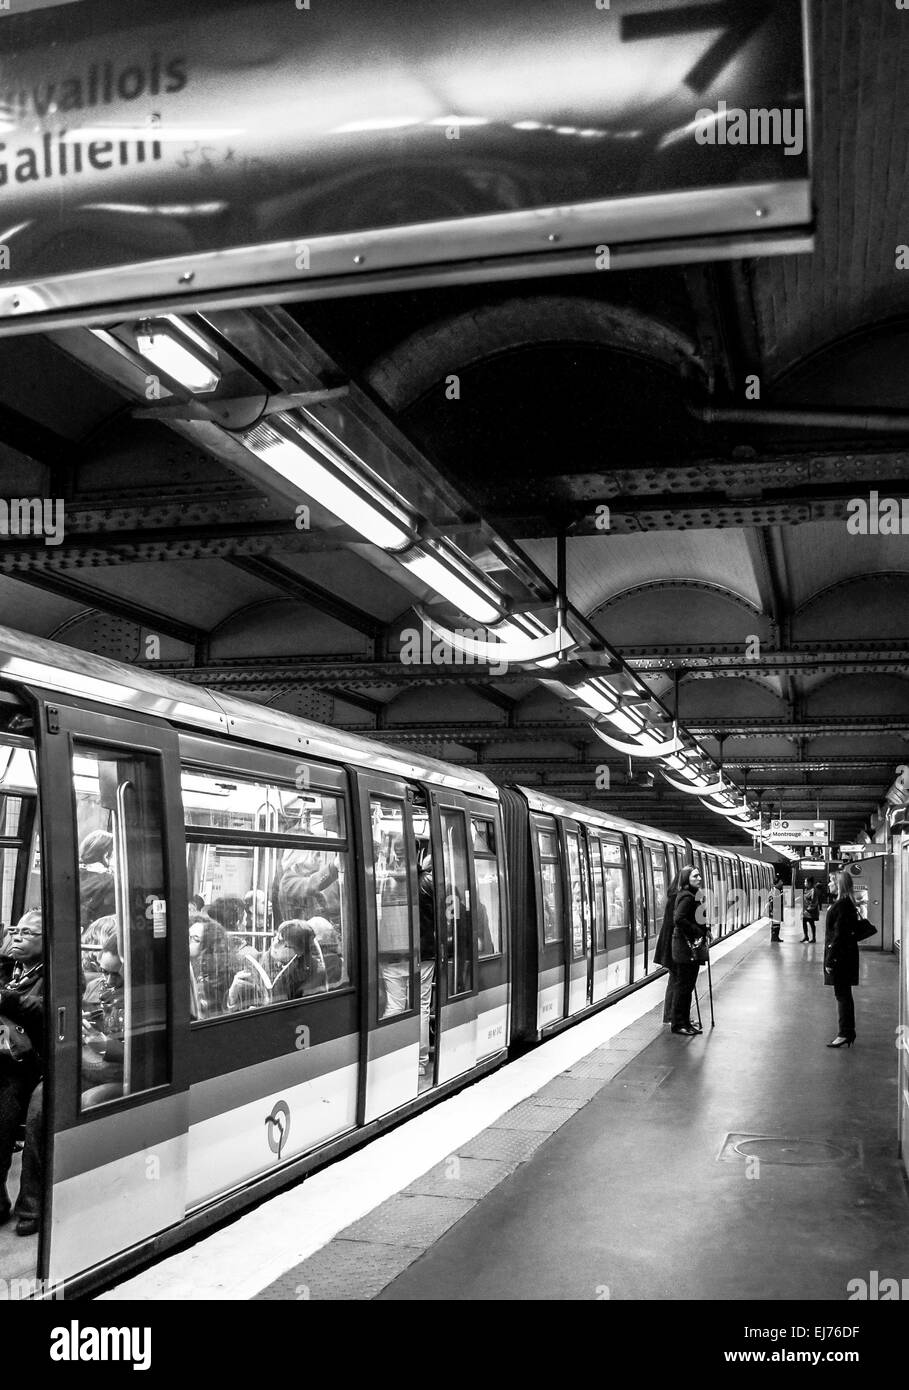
(687, 930)
(841, 953)
(662, 951)
(97, 897)
(811, 903)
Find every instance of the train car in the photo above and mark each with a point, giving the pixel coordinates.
(265, 940)
(594, 886)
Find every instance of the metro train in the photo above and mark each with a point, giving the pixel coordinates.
(125, 796)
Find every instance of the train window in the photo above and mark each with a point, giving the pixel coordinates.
(393, 908)
(596, 854)
(658, 867)
(458, 910)
(615, 876)
(489, 909)
(123, 907)
(222, 802)
(550, 885)
(578, 893)
(249, 905)
(640, 920)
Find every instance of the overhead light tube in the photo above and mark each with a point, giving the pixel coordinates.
(440, 565)
(320, 473)
(179, 353)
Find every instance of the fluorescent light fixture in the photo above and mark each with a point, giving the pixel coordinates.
(627, 723)
(178, 352)
(599, 696)
(441, 565)
(321, 474)
(519, 627)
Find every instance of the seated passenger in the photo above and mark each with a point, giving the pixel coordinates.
(304, 973)
(213, 962)
(329, 939)
(92, 936)
(22, 1005)
(103, 1025)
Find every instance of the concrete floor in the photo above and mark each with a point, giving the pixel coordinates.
(640, 1196)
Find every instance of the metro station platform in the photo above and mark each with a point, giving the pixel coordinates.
(616, 1161)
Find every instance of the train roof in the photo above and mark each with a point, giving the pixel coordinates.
(52, 666)
(555, 806)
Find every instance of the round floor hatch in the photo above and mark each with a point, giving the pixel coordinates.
(796, 1151)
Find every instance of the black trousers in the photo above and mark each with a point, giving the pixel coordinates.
(671, 983)
(16, 1090)
(686, 976)
(812, 923)
(845, 1011)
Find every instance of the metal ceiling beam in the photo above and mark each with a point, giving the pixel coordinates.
(703, 661)
(260, 673)
(297, 587)
(762, 490)
(562, 731)
(82, 594)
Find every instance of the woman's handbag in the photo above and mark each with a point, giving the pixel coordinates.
(15, 1044)
(863, 930)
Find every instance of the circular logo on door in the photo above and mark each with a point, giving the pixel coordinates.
(277, 1126)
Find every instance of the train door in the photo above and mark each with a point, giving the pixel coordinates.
(547, 872)
(397, 1030)
(619, 930)
(639, 908)
(579, 898)
(493, 991)
(599, 962)
(115, 1092)
(456, 1006)
(658, 884)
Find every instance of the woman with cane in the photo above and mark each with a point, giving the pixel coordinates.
(687, 936)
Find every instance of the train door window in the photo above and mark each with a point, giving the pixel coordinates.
(458, 907)
(640, 919)
(658, 871)
(489, 903)
(123, 899)
(393, 907)
(615, 875)
(599, 900)
(551, 882)
(712, 909)
(578, 889)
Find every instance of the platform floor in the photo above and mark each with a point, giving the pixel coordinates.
(615, 1162)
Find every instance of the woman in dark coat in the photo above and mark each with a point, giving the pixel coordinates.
(841, 959)
(305, 971)
(688, 933)
(662, 952)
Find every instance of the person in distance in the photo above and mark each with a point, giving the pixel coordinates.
(841, 959)
(811, 909)
(687, 935)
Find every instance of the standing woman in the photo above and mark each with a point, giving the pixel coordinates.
(841, 959)
(662, 952)
(688, 933)
(776, 909)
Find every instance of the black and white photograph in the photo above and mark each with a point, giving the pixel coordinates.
(454, 670)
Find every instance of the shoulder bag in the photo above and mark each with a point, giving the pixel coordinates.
(15, 1044)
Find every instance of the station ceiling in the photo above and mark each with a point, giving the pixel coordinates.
(727, 571)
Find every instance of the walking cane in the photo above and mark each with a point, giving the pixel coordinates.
(710, 990)
(697, 1004)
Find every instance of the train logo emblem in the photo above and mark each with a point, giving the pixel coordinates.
(278, 1126)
